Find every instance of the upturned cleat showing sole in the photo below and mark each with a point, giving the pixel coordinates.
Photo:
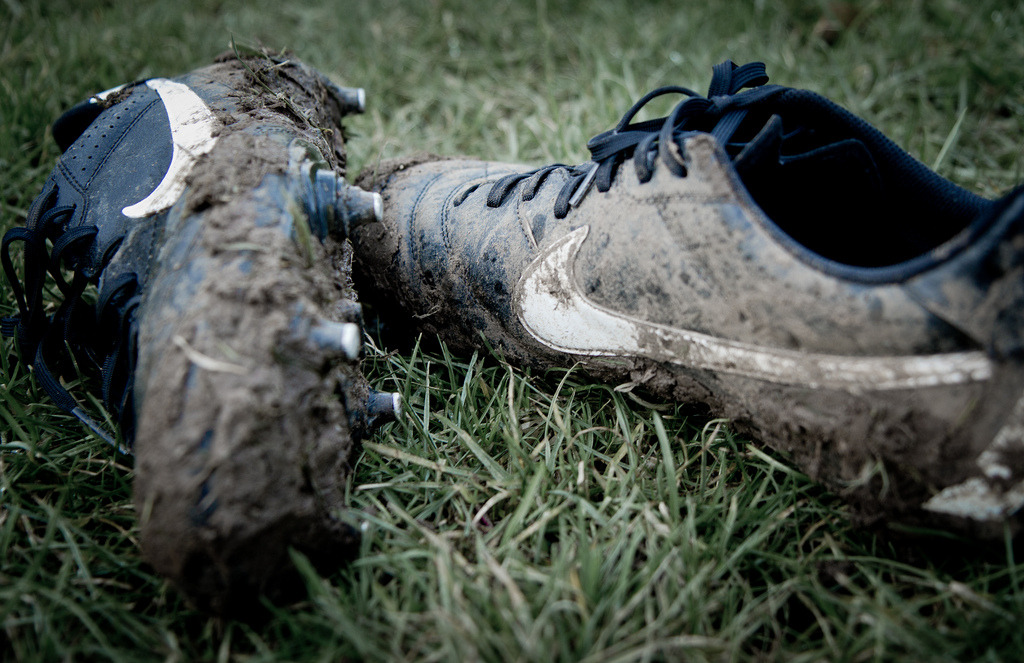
(759, 250)
(210, 210)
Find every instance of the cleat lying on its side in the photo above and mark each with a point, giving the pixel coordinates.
(760, 250)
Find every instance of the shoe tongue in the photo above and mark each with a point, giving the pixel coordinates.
(821, 190)
(762, 152)
(804, 160)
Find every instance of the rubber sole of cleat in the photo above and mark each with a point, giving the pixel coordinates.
(249, 330)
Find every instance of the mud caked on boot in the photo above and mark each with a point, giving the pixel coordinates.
(761, 250)
(225, 333)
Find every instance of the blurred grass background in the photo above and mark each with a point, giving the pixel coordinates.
(517, 516)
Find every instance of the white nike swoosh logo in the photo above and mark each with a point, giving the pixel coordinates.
(192, 127)
(554, 311)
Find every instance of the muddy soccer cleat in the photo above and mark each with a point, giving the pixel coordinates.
(205, 210)
(760, 250)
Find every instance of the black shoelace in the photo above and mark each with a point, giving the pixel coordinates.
(720, 113)
(97, 337)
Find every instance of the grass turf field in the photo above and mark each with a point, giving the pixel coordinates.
(515, 515)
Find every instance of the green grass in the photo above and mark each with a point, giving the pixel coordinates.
(517, 516)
